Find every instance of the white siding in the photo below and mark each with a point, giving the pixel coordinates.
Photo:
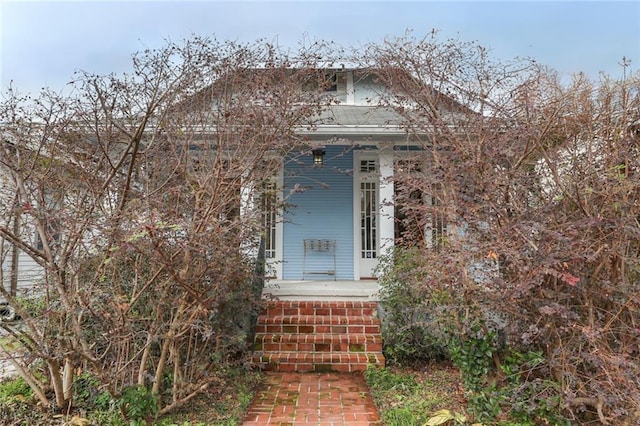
(29, 275)
(366, 90)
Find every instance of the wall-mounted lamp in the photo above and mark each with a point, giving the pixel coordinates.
(318, 156)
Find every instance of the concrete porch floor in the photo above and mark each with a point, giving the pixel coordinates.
(366, 290)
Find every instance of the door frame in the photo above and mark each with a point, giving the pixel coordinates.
(274, 265)
(357, 179)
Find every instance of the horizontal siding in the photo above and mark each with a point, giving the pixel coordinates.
(324, 210)
(29, 275)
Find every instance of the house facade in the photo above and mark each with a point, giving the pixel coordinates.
(19, 273)
(340, 217)
(340, 220)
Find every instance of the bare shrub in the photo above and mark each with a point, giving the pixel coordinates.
(538, 183)
(142, 192)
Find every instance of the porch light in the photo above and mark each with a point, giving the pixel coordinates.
(318, 156)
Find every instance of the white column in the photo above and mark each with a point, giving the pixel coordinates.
(247, 208)
(386, 227)
(275, 265)
(351, 93)
(247, 201)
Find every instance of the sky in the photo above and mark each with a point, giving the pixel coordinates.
(43, 42)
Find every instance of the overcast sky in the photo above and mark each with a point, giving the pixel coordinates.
(43, 42)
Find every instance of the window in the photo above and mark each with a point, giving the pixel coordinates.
(328, 81)
(52, 230)
(231, 197)
(369, 208)
(419, 218)
(368, 166)
(332, 82)
(436, 231)
(269, 201)
(368, 225)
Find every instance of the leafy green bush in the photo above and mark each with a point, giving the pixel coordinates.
(138, 403)
(409, 328)
(16, 403)
(107, 417)
(531, 397)
(519, 391)
(32, 306)
(88, 395)
(473, 357)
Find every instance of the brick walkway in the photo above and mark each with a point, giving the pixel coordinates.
(327, 399)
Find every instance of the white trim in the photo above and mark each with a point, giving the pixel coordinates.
(247, 191)
(351, 93)
(275, 263)
(352, 129)
(355, 211)
(357, 244)
(386, 213)
(279, 258)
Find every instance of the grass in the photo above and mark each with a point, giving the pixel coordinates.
(9, 343)
(408, 397)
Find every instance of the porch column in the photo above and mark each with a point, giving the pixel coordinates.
(247, 202)
(387, 216)
(247, 208)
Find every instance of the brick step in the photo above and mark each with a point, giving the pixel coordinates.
(305, 362)
(318, 342)
(318, 320)
(321, 308)
(308, 336)
(275, 328)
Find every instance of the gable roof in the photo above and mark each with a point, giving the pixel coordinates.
(334, 119)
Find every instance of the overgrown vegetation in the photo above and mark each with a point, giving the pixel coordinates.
(528, 276)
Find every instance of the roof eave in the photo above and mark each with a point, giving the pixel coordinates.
(353, 129)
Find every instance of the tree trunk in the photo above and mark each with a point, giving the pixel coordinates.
(143, 361)
(67, 380)
(161, 363)
(57, 383)
(31, 381)
(15, 259)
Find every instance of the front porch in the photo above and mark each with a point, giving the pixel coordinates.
(329, 290)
